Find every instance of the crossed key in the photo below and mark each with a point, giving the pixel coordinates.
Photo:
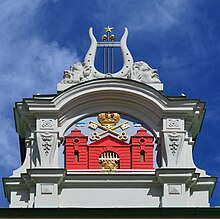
(108, 129)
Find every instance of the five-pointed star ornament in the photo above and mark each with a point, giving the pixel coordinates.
(108, 29)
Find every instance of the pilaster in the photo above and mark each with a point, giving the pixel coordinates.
(175, 148)
(46, 136)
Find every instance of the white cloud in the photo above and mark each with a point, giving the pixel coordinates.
(158, 15)
(9, 145)
(28, 65)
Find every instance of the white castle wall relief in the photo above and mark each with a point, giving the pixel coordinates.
(124, 143)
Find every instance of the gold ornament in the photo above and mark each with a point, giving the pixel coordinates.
(108, 125)
(109, 160)
(108, 119)
(108, 29)
(112, 37)
(109, 165)
(104, 37)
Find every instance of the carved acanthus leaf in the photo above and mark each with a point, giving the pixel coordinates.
(47, 142)
(174, 142)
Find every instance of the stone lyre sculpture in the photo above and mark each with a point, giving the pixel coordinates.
(138, 71)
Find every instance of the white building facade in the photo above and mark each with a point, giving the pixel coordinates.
(135, 91)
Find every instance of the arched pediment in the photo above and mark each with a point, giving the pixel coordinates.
(125, 96)
(129, 97)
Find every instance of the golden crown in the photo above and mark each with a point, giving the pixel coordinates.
(108, 118)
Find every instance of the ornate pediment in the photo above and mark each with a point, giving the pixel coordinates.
(85, 71)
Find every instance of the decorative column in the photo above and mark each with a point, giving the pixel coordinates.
(177, 174)
(46, 175)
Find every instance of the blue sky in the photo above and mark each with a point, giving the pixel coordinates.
(39, 39)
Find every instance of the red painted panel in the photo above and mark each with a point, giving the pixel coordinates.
(142, 141)
(129, 154)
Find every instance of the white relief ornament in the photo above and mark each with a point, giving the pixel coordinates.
(47, 142)
(174, 143)
(46, 123)
(174, 189)
(47, 189)
(142, 72)
(77, 72)
(173, 123)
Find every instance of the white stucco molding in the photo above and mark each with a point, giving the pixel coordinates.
(54, 114)
(130, 97)
(163, 187)
(185, 187)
